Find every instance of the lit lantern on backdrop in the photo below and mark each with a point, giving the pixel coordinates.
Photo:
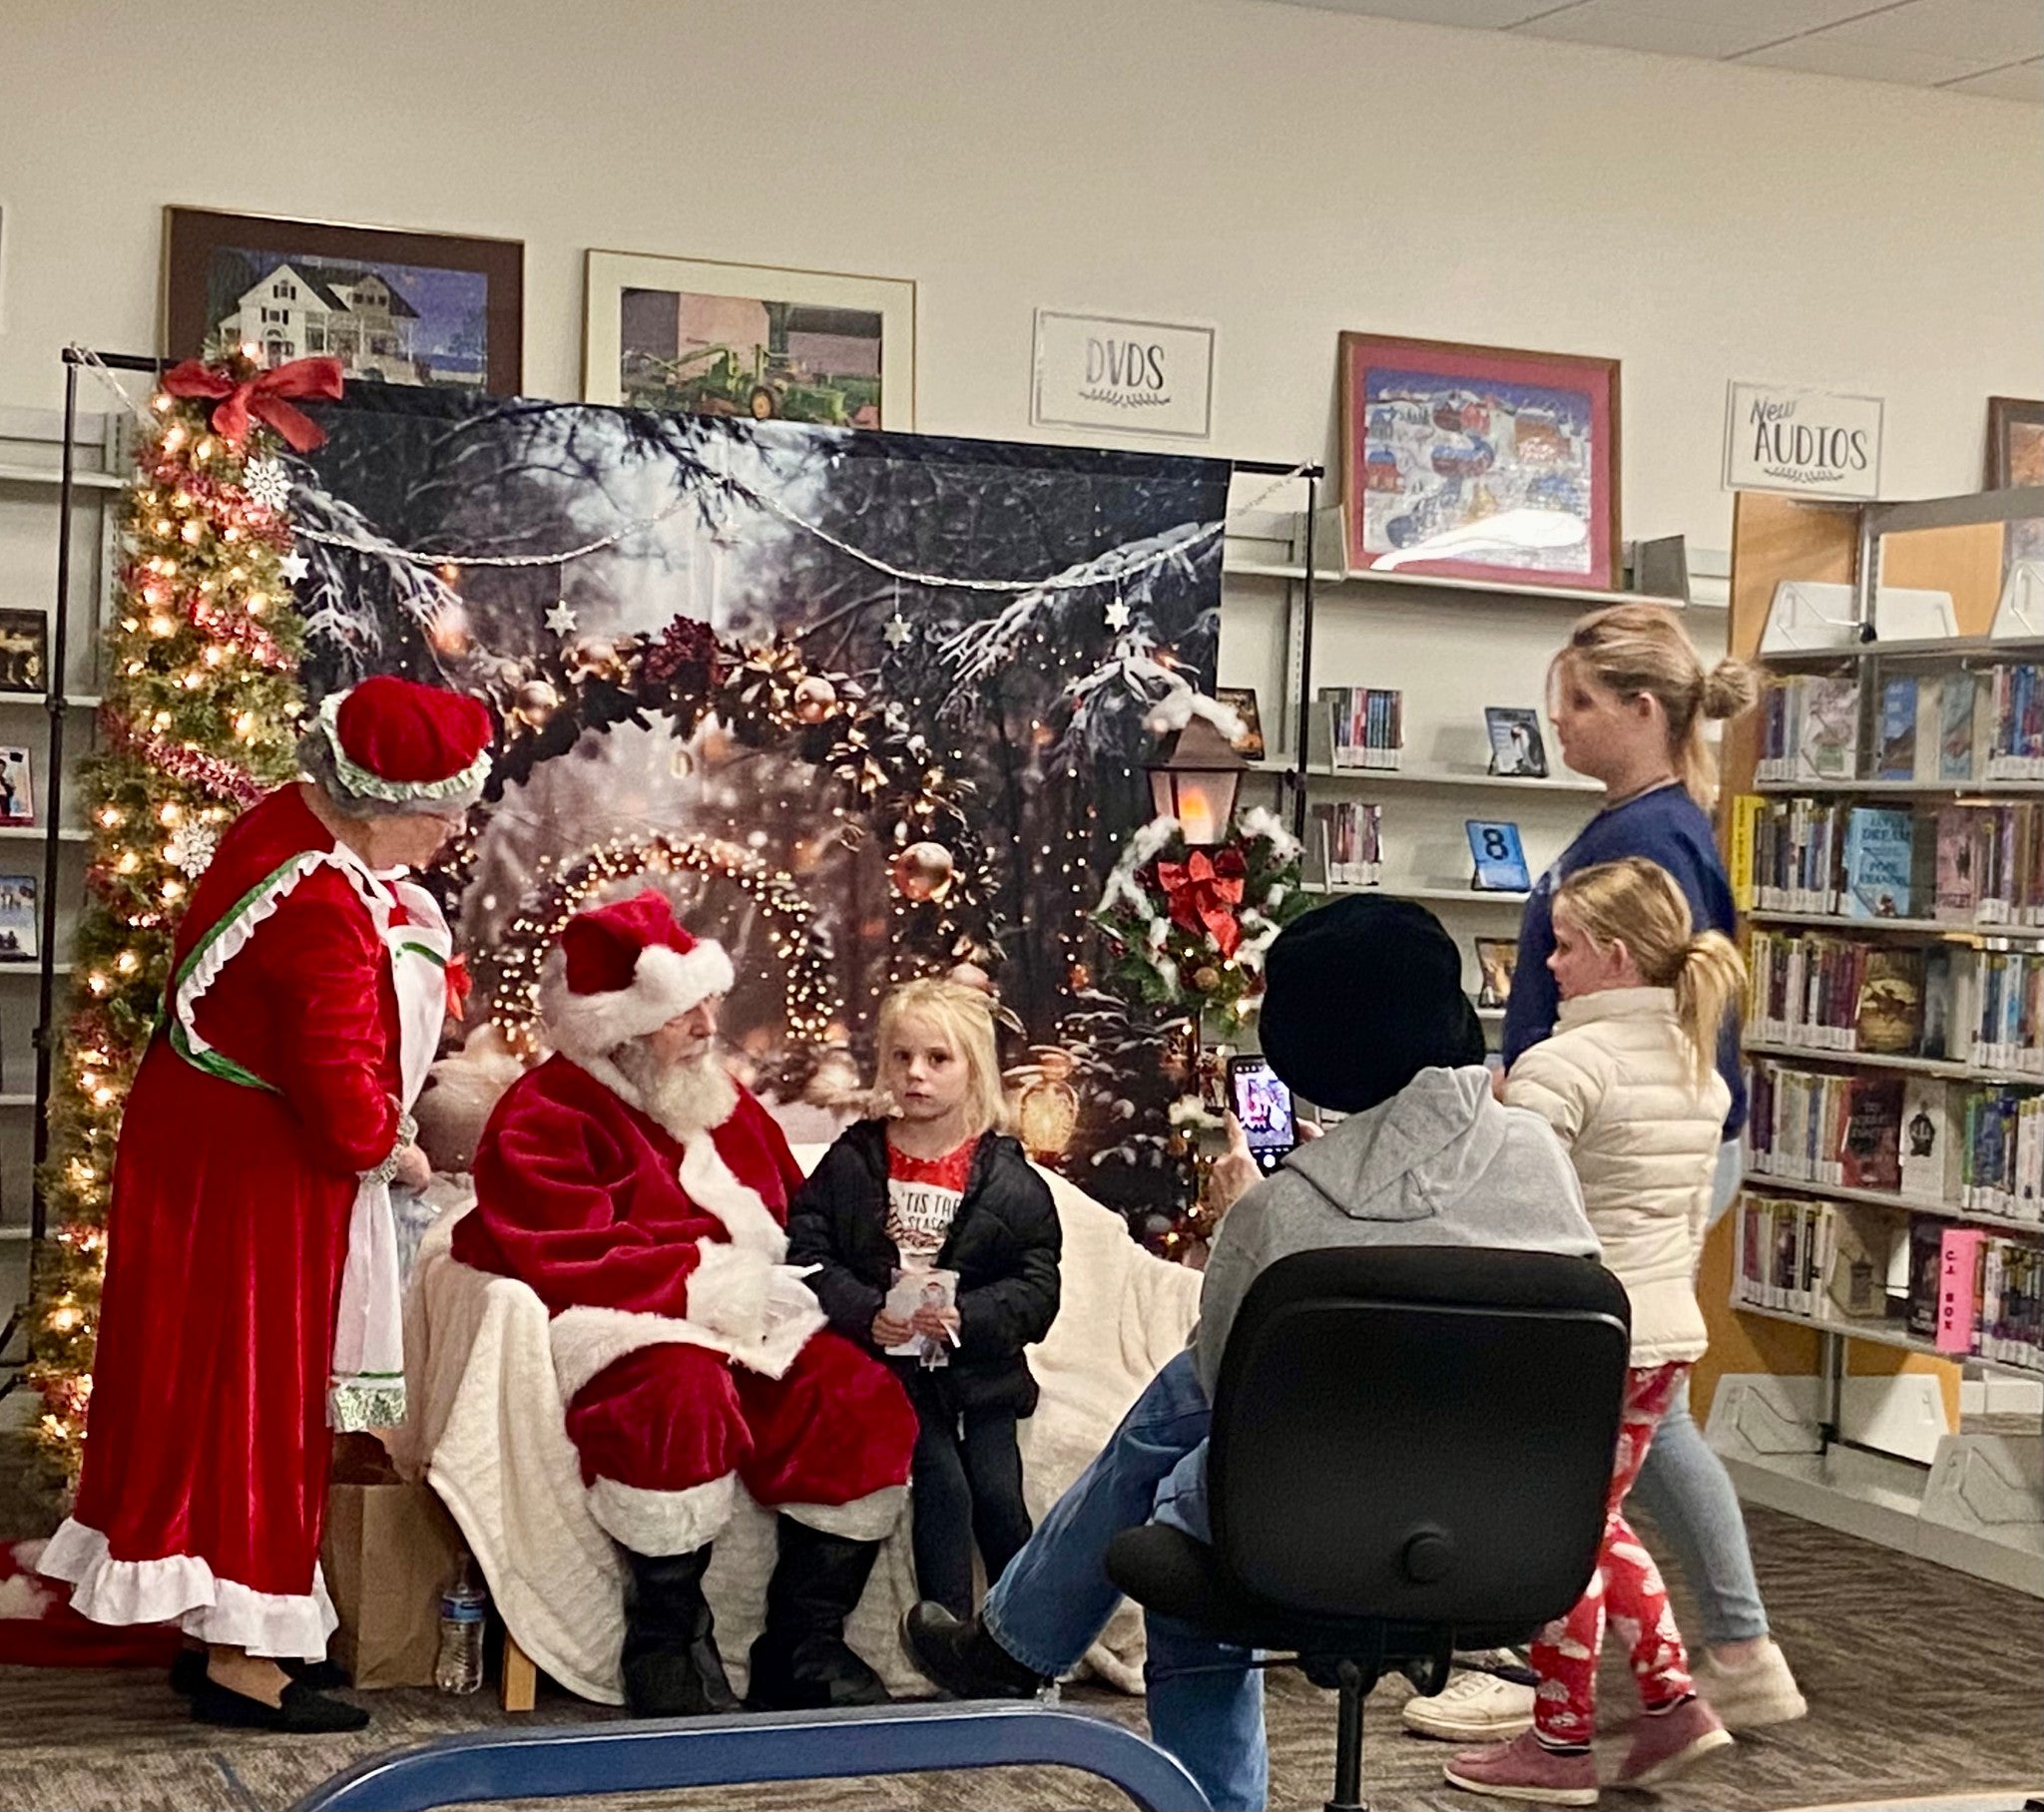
(1194, 779)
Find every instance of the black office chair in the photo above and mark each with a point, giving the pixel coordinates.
(1410, 1453)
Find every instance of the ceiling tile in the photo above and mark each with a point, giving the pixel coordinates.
(2019, 82)
(1824, 54)
(1481, 14)
(1981, 30)
(1632, 27)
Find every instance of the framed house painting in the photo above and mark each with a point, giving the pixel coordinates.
(1479, 462)
(750, 339)
(394, 308)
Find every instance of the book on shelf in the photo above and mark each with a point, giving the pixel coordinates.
(1515, 745)
(1926, 1260)
(1745, 824)
(1242, 700)
(1367, 725)
(1833, 992)
(2016, 749)
(1959, 1288)
(1349, 834)
(1857, 1246)
(1895, 753)
(1931, 1168)
(1499, 857)
(20, 923)
(17, 787)
(1879, 844)
(1807, 1126)
(1496, 960)
(1809, 727)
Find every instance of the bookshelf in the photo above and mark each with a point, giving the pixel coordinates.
(1449, 647)
(33, 525)
(1845, 1465)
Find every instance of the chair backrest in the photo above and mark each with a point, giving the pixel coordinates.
(1420, 1434)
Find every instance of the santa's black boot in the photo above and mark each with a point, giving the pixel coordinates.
(671, 1665)
(802, 1662)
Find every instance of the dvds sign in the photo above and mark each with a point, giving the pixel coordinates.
(1807, 443)
(1143, 377)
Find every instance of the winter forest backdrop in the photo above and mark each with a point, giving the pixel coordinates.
(845, 777)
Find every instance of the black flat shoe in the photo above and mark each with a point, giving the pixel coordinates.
(302, 1711)
(188, 1671)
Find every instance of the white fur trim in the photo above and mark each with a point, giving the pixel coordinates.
(867, 1519)
(712, 1187)
(183, 1589)
(663, 1521)
(664, 984)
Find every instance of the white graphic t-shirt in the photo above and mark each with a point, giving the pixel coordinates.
(923, 1194)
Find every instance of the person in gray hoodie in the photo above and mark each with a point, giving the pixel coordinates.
(1363, 1013)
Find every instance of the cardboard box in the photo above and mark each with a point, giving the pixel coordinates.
(390, 1551)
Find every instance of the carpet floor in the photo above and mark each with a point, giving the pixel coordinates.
(1922, 1682)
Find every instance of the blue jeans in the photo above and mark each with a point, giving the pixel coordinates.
(1055, 1596)
(1684, 1487)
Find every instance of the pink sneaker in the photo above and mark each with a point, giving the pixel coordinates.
(1526, 1769)
(1672, 1744)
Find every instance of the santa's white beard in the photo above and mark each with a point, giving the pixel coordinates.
(680, 1097)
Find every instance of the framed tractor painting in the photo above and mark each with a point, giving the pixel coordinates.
(746, 339)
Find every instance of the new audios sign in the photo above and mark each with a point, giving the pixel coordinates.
(1140, 377)
(1808, 443)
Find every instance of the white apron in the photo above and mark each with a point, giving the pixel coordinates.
(367, 1386)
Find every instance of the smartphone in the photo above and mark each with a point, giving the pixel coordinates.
(1263, 1105)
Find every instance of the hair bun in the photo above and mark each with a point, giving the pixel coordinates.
(1730, 688)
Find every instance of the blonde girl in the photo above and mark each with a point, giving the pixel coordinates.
(940, 1193)
(1629, 1083)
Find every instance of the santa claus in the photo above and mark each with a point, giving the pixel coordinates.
(641, 1194)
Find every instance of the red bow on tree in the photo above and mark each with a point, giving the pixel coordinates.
(1202, 889)
(263, 396)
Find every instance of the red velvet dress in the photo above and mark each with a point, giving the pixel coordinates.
(207, 1446)
(619, 1228)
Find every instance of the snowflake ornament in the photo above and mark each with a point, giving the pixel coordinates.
(897, 631)
(1118, 613)
(294, 565)
(269, 482)
(190, 848)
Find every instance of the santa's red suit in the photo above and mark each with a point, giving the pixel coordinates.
(645, 1208)
(260, 1131)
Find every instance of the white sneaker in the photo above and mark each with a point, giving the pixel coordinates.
(1751, 1698)
(1472, 1707)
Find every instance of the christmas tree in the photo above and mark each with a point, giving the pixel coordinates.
(201, 717)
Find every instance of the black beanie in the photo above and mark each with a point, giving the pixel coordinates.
(1360, 996)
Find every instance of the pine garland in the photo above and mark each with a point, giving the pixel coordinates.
(201, 718)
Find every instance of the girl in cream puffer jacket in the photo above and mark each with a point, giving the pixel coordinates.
(1628, 1082)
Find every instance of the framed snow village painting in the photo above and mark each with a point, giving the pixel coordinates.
(1479, 462)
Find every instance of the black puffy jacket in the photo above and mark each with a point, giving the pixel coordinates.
(1003, 1243)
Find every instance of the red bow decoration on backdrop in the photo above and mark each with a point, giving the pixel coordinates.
(263, 396)
(460, 984)
(1202, 889)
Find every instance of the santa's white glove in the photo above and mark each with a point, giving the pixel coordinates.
(728, 1290)
(788, 1296)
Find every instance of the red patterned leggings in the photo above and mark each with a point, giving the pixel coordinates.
(1626, 1585)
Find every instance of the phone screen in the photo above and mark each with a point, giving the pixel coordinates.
(1262, 1104)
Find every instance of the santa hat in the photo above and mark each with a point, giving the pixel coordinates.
(624, 970)
(402, 744)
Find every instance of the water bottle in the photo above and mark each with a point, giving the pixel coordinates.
(460, 1667)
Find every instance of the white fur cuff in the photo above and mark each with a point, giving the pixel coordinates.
(652, 1521)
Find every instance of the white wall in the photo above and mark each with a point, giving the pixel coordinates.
(1280, 172)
